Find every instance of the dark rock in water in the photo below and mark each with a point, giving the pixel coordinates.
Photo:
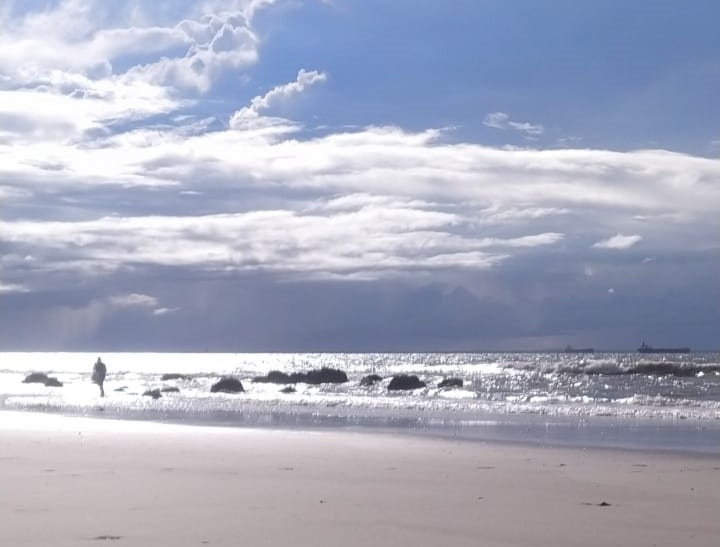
(123, 388)
(228, 385)
(173, 376)
(154, 393)
(370, 379)
(42, 378)
(288, 389)
(451, 382)
(36, 378)
(405, 381)
(273, 377)
(324, 375)
(170, 390)
(53, 382)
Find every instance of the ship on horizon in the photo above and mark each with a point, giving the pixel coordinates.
(644, 348)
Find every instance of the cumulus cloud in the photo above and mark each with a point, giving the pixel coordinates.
(76, 70)
(618, 241)
(304, 79)
(278, 94)
(501, 120)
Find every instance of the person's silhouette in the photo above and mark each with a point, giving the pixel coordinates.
(98, 375)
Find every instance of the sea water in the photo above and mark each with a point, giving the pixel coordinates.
(661, 401)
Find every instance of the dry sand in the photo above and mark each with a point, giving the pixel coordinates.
(74, 481)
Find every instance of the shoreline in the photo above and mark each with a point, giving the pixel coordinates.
(68, 480)
(679, 437)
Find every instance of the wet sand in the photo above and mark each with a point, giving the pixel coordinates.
(73, 481)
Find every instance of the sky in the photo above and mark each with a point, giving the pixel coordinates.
(359, 175)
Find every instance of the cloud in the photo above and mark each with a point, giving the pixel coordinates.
(500, 120)
(10, 288)
(273, 97)
(374, 240)
(304, 79)
(373, 202)
(134, 300)
(618, 241)
(132, 155)
(88, 67)
(140, 301)
(164, 311)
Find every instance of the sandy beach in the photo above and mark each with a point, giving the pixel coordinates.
(73, 481)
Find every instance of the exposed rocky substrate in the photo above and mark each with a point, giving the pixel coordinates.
(228, 385)
(405, 382)
(42, 378)
(324, 375)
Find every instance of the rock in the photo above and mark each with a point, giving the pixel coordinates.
(173, 376)
(154, 393)
(123, 388)
(42, 378)
(170, 390)
(287, 389)
(370, 379)
(227, 385)
(36, 378)
(324, 375)
(273, 377)
(405, 381)
(53, 382)
(451, 382)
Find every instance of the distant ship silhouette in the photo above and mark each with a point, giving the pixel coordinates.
(644, 348)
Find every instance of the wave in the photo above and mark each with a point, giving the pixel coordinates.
(539, 384)
(620, 367)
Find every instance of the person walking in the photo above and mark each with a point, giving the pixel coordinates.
(98, 375)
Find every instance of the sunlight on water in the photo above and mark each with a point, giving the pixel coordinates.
(620, 385)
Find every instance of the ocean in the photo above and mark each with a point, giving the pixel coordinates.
(630, 400)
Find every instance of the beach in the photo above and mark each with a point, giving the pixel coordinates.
(75, 481)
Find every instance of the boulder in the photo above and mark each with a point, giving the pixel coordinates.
(288, 389)
(42, 378)
(169, 389)
(173, 376)
(154, 393)
(35, 378)
(370, 380)
(273, 377)
(405, 381)
(53, 382)
(451, 382)
(324, 375)
(227, 385)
